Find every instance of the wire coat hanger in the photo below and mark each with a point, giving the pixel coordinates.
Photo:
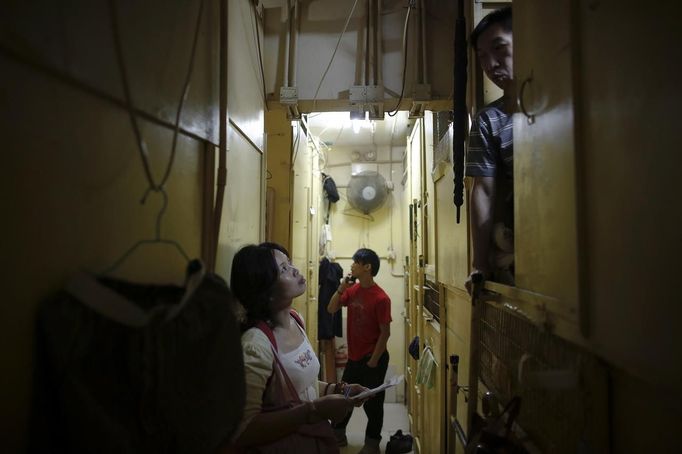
(153, 186)
(156, 240)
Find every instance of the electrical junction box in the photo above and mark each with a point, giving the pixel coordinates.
(369, 98)
(366, 94)
(288, 95)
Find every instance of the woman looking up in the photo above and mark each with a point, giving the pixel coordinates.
(265, 282)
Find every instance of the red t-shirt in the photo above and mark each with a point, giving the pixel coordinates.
(367, 309)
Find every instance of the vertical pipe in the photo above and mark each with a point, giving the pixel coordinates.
(208, 190)
(375, 42)
(222, 159)
(287, 45)
(422, 16)
(474, 351)
(367, 36)
(452, 398)
(418, 47)
(380, 51)
(264, 191)
(293, 42)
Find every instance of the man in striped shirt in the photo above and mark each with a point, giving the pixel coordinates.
(490, 154)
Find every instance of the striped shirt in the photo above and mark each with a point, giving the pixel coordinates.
(491, 143)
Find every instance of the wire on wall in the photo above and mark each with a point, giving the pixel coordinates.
(402, 89)
(260, 54)
(142, 147)
(334, 53)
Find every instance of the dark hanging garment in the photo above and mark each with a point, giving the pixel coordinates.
(332, 193)
(328, 325)
(329, 187)
(124, 367)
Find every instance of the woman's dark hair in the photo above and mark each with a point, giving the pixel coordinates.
(254, 275)
(502, 16)
(277, 247)
(366, 256)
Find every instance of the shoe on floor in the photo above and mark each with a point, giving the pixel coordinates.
(340, 435)
(371, 446)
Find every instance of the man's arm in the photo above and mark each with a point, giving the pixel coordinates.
(482, 207)
(335, 301)
(380, 347)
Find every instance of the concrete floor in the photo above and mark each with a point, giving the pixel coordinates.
(395, 417)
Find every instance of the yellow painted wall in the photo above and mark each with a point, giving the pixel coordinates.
(430, 200)
(305, 203)
(243, 220)
(630, 168)
(72, 178)
(633, 239)
(279, 155)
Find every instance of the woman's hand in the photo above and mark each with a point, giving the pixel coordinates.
(333, 407)
(354, 390)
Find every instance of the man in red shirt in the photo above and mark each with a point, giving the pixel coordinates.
(368, 329)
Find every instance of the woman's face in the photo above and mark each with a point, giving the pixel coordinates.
(290, 283)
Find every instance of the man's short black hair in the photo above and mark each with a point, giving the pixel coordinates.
(502, 16)
(366, 256)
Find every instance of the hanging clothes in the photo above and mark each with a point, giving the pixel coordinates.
(328, 325)
(426, 369)
(124, 367)
(330, 192)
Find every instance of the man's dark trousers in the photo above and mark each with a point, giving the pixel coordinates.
(359, 372)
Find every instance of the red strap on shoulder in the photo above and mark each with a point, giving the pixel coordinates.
(261, 325)
(298, 318)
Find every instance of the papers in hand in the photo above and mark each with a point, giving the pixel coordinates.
(370, 392)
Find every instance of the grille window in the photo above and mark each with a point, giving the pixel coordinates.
(432, 300)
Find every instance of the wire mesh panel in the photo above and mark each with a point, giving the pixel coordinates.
(564, 406)
(432, 299)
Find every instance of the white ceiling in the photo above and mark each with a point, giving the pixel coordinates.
(337, 129)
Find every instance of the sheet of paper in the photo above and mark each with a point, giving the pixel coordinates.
(370, 392)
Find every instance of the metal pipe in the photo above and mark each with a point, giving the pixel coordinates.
(375, 45)
(422, 16)
(287, 45)
(367, 34)
(293, 43)
(474, 350)
(208, 191)
(379, 55)
(221, 179)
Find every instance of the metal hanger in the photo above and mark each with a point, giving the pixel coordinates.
(157, 238)
(153, 186)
